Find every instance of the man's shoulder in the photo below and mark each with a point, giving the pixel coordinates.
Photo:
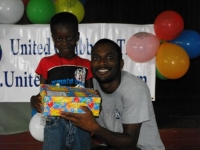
(130, 80)
(127, 76)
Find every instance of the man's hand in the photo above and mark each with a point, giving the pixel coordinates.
(36, 102)
(85, 121)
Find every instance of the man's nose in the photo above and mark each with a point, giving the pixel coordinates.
(102, 61)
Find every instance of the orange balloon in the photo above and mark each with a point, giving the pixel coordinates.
(172, 60)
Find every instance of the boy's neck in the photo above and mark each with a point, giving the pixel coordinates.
(67, 57)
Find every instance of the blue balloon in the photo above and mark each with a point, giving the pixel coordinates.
(189, 40)
(33, 112)
(83, 2)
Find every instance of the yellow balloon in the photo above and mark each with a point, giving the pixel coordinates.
(73, 6)
(172, 60)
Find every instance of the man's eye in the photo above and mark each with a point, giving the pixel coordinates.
(94, 58)
(110, 57)
(58, 39)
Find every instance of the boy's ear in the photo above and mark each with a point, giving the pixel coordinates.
(52, 37)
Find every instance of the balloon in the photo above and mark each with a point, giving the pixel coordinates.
(33, 112)
(190, 41)
(11, 11)
(172, 60)
(73, 6)
(36, 126)
(83, 2)
(168, 25)
(25, 2)
(142, 46)
(40, 11)
(159, 75)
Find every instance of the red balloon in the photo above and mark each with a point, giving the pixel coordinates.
(168, 25)
(25, 2)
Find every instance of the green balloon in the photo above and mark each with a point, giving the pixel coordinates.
(40, 11)
(159, 75)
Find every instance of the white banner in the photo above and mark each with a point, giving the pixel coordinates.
(22, 47)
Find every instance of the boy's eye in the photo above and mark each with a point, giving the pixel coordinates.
(69, 38)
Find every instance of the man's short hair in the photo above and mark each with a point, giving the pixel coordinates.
(113, 44)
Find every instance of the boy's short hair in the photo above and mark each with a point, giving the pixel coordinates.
(113, 44)
(64, 18)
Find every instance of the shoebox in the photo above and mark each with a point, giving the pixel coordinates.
(68, 99)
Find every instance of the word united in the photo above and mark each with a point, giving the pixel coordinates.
(33, 48)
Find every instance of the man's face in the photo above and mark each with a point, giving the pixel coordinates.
(65, 38)
(105, 63)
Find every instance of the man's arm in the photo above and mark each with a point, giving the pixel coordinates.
(121, 141)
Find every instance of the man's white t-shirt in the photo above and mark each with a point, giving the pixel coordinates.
(130, 103)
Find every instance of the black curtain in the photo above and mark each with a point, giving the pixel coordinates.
(175, 99)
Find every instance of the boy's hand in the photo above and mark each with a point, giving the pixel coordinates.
(36, 103)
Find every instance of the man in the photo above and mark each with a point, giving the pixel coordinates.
(127, 120)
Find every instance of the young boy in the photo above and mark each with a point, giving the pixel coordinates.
(64, 69)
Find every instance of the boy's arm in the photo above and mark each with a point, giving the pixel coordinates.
(42, 80)
(36, 99)
(89, 83)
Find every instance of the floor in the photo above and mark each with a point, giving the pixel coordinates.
(181, 138)
(173, 139)
(177, 133)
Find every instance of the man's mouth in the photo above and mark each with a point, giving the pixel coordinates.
(102, 71)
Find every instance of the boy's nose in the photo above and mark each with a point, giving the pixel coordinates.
(65, 41)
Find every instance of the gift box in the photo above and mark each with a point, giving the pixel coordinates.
(68, 99)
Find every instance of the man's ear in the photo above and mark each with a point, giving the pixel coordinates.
(121, 64)
(77, 37)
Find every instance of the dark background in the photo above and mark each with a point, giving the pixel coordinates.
(177, 101)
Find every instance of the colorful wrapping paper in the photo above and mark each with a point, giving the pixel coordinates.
(68, 99)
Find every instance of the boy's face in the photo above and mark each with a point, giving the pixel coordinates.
(105, 63)
(65, 38)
